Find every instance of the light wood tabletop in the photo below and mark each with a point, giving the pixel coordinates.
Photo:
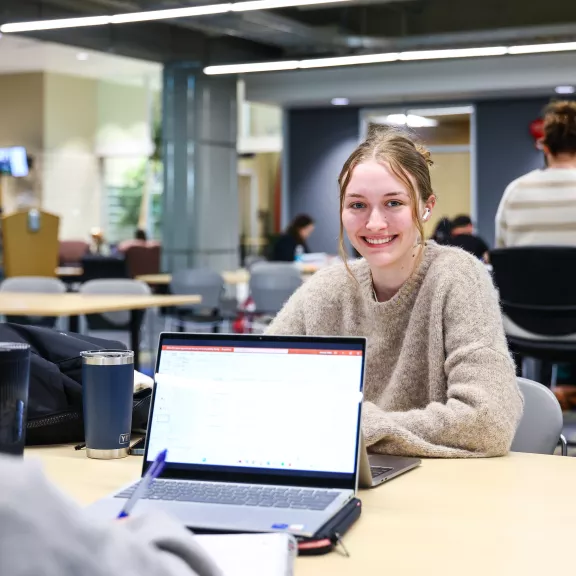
(69, 271)
(499, 516)
(155, 279)
(232, 277)
(74, 304)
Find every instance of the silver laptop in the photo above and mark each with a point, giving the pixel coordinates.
(262, 432)
(375, 469)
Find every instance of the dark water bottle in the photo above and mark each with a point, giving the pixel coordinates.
(14, 384)
(107, 395)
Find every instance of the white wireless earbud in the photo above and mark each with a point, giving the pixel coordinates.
(426, 214)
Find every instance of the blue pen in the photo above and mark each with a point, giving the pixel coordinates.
(153, 472)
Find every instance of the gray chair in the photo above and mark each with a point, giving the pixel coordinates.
(33, 284)
(251, 260)
(115, 321)
(540, 428)
(271, 284)
(205, 283)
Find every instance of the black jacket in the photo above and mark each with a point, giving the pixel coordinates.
(55, 413)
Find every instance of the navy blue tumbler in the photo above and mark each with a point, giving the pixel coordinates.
(108, 388)
(14, 383)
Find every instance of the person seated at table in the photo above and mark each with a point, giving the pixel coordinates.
(442, 231)
(42, 532)
(439, 380)
(140, 239)
(293, 241)
(462, 236)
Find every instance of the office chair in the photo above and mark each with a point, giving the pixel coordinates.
(71, 252)
(33, 284)
(540, 427)
(271, 284)
(205, 283)
(141, 260)
(537, 286)
(114, 321)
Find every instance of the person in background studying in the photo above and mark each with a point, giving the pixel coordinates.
(539, 208)
(43, 532)
(442, 231)
(462, 236)
(140, 239)
(286, 247)
(439, 380)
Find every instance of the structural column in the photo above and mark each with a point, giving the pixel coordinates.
(200, 219)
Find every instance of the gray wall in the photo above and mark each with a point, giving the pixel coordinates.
(318, 143)
(504, 151)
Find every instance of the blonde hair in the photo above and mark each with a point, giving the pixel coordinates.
(408, 161)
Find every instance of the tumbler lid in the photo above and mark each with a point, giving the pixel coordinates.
(13, 351)
(107, 357)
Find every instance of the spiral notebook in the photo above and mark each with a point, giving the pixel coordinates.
(251, 554)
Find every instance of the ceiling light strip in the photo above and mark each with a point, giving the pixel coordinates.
(54, 24)
(542, 48)
(270, 4)
(392, 57)
(170, 13)
(149, 15)
(256, 67)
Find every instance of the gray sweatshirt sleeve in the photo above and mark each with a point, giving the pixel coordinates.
(43, 532)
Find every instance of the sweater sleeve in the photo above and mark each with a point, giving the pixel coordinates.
(483, 403)
(66, 541)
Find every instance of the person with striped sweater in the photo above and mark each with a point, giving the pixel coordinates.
(539, 208)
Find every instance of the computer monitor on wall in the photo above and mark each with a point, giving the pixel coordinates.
(14, 161)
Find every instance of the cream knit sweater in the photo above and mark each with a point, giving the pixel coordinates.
(439, 380)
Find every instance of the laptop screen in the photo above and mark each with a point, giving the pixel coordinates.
(249, 407)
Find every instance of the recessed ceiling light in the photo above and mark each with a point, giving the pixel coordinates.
(412, 120)
(565, 89)
(82, 56)
(444, 111)
(340, 101)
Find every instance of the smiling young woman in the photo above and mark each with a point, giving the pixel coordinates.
(439, 379)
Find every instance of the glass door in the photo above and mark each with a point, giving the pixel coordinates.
(447, 133)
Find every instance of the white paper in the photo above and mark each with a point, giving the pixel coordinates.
(251, 554)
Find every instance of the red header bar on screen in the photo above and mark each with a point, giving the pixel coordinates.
(198, 348)
(325, 352)
(248, 350)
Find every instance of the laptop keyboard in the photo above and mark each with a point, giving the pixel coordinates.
(379, 470)
(236, 495)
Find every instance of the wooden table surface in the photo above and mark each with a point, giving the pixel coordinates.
(69, 271)
(477, 517)
(74, 304)
(232, 277)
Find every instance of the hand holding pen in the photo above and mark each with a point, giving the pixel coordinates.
(152, 473)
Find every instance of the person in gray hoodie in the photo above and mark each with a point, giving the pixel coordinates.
(45, 533)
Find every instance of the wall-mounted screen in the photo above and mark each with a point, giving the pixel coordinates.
(14, 161)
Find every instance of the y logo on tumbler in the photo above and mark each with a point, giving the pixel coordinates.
(124, 438)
